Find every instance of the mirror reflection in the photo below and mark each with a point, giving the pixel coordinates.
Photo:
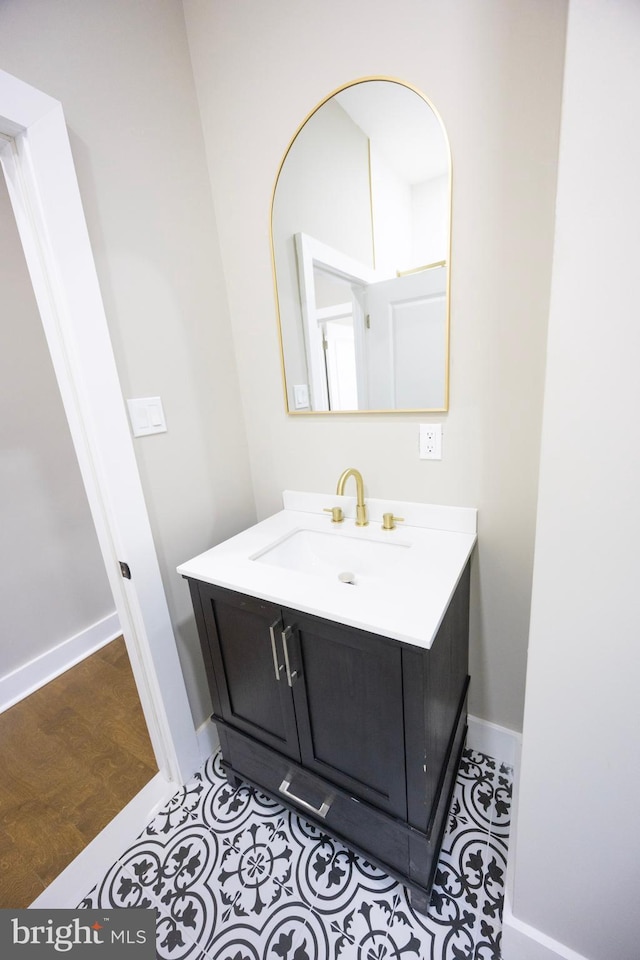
(360, 243)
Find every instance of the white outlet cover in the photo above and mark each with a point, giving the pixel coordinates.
(430, 442)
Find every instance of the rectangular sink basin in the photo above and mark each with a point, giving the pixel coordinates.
(398, 584)
(338, 557)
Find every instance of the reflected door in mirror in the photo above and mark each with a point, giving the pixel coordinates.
(361, 251)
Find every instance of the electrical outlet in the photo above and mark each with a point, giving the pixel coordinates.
(431, 441)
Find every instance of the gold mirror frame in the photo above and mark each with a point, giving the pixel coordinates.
(443, 263)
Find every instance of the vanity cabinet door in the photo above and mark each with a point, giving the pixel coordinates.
(348, 698)
(245, 639)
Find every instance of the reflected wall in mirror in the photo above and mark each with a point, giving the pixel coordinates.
(360, 239)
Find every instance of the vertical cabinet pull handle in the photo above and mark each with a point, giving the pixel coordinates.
(291, 674)
(274, 651)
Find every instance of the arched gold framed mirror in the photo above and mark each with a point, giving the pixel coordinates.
(361, 249)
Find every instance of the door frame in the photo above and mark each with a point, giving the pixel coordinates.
(312, 253)
(36, 158)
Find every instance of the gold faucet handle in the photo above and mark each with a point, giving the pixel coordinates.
(336, 514)
(389, 521)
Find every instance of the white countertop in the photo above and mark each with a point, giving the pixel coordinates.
(405, 599)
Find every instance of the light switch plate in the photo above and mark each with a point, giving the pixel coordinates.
(301, 396)
(147, 416)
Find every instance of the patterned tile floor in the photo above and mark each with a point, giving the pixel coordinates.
(235, 876)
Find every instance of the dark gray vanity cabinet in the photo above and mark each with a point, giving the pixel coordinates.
(360, 733)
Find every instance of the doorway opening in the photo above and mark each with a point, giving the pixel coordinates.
(75, 751)
(35, 156)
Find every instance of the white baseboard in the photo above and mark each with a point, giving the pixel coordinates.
(496, 741)
(523, 942)
(18, 684)
(90, 866)
(208, 740)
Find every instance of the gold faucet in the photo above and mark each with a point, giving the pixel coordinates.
(361, 507)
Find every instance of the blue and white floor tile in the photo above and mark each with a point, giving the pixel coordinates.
(233, 875)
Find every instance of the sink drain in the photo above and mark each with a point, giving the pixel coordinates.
(347, 577)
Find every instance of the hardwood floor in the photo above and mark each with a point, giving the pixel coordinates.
(71, 756)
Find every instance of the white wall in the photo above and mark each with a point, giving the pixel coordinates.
(123, 75)
(494, 72)
(577, 850)
(325, 194)
(430, 200)
(53, 585)
(391, 203)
